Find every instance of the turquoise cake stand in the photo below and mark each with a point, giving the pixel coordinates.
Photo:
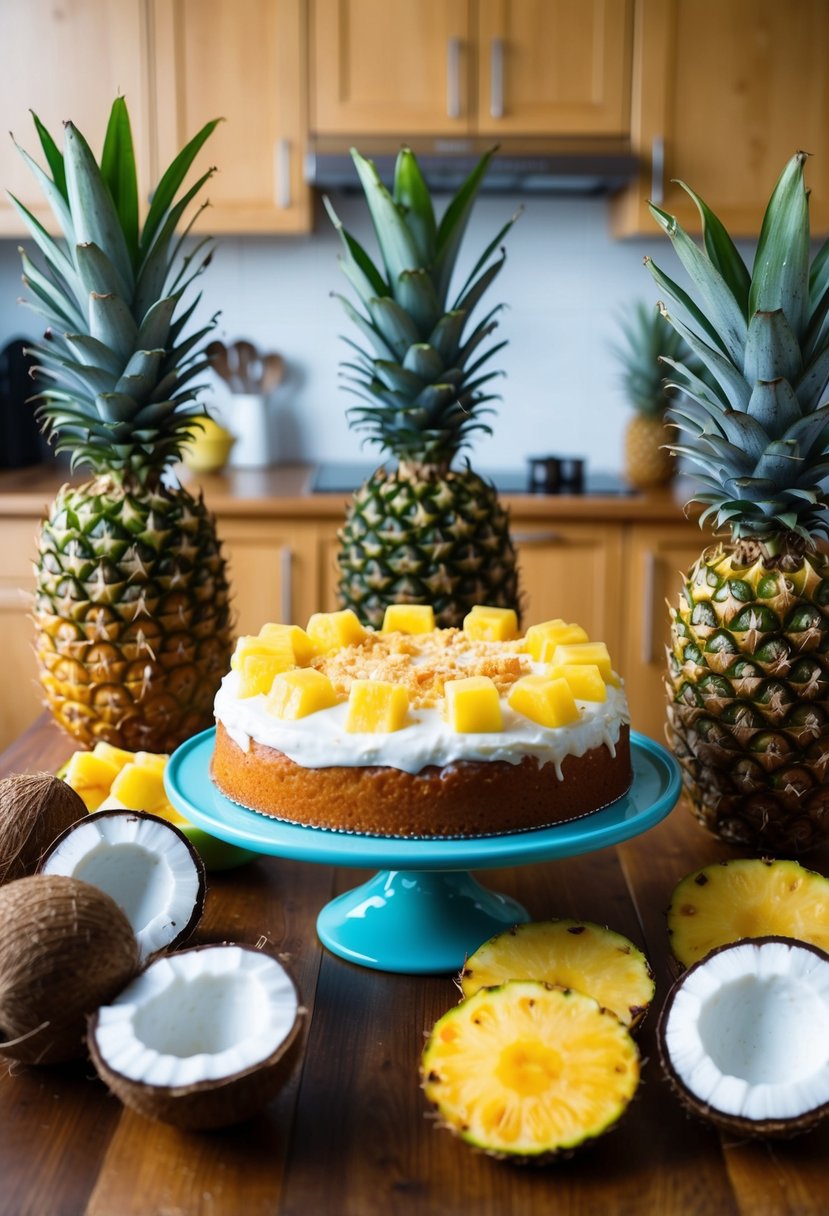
(422, 913)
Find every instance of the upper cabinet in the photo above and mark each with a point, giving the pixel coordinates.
(470, 67)
(724, 92)
(242, 61)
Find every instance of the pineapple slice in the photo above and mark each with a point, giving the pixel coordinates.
(298, 693)
(571, 954)
(585, 680)
(528, 1071)
(542, 639)
(549, 702)
(376, 706)
(473, 705)
(301, 645)
(90, 776)
(257, 671)
(747, 897)
(565, 654)
(333, 630)
(409, 618)
(485, 624)
(141, 788)
(153, 760)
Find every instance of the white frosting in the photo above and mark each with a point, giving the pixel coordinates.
(321, 740)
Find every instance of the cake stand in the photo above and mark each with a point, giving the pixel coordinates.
(422, 913)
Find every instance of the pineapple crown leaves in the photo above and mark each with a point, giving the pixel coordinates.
(648, 339)
(118, 366)
(756, 426)
(423, 372)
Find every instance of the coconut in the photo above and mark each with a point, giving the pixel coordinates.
(145, 863)
(744, 1036)
(34, 809)
(202, 1038)
(66, 948)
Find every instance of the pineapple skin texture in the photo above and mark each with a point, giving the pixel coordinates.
(132, 615)
(748, 700)
(648, 463)
(439, 538)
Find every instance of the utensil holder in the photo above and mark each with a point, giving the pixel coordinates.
(247, 419)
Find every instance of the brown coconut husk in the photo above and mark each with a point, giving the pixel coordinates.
(66, 949)
(35, 808)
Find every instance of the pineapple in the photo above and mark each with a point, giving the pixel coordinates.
(549, 702)
(426, 531)
(131, 603)
(748, 714)
(376, 706)
(472, 705)
(409, 618)
(485, 624)
(298, 693)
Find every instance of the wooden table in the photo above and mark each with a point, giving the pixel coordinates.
(351, 1135)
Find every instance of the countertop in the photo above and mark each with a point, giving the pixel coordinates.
(351, 1134)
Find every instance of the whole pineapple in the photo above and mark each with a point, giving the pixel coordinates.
(131, 603)
(425, 531)
(647, 335)
(748, 713)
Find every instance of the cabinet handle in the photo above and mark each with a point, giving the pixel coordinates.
(658, 170)
(286, 591)
(282, 174)
(496, 78)
(649, 587)
(453, 78)
(547, 537)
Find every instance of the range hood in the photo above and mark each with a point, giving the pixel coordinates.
(582, 166)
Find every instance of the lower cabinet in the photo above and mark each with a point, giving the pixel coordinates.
(273, 570)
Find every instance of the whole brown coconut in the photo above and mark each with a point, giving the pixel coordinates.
(66, 949)
(34, 809)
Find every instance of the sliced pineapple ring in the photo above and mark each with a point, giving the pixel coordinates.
(746, 898)
(526, 1070)
(572, 954)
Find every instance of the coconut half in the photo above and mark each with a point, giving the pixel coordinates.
(744, 1036)
(145, 863)
(201, 1038)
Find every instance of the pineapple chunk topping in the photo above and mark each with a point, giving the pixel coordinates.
(485, 624)
(119, 756)
(249, 644)
(90, 776)
(549, 702)
(585, 680)
(473, 705)
(584, 652)
(296, 637)
(257, 671)
(296, 694)
(332, 630)
(409, 618)
(542, 639)
(376, 706)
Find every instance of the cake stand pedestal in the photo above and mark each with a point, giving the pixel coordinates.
(422, 913)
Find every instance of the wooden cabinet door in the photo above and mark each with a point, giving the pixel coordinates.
(554, 67)
(656, 560)
(67, 62)
(390, 67)
(243, 61)
(273, 570)
(724, 92)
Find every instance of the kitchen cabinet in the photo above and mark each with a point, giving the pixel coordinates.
(273, 570)
(484, 67)
(724, 92)
(242, 61)
(67, 61)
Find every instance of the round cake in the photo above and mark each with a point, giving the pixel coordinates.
(422, 732)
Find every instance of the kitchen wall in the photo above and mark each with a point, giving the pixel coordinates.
(564, 284)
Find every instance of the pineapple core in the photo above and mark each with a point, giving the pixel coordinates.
(376, 707)
(298, 693)
(409, 618)
(473, 705)
(485, 624)
(542, 639)
(549, 702)
(332, 630)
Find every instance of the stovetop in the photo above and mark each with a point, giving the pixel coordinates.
(335, 478)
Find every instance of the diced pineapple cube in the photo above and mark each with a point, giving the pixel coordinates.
(584, 652)
(257, 671)
(376, 706)
(140, 787)
(154, 760)
(332, 630)
(297, 638)
(119, 756)
(252, 644)
(298, 693)
(542, 639)
(585, 680)
(549, 702)
(409, 618)
(473, 705)
(485, 624)
(91, 777)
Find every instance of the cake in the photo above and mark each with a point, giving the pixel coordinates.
(413, 731)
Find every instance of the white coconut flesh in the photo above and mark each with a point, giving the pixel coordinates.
(746, 1031)
(146, 864)
(198, 1016)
